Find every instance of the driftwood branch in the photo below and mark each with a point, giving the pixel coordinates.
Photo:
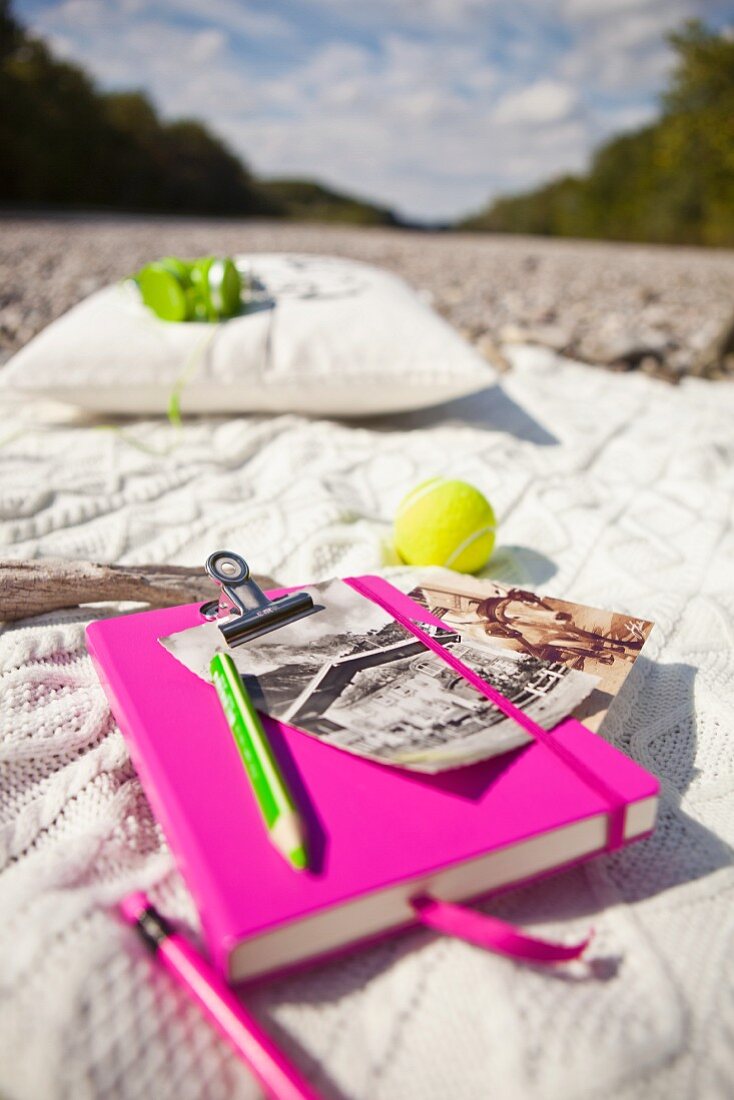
(34, 587)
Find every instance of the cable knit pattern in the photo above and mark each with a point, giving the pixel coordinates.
(611, 490)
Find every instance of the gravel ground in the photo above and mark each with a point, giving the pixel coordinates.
(627, 307)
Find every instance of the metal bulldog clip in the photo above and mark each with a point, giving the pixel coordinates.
(254, 614)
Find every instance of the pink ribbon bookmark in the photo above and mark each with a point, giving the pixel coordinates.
(493, 934)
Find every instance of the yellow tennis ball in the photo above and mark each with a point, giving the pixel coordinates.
(443, 522)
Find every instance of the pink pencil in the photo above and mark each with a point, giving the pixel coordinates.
(280, 1079)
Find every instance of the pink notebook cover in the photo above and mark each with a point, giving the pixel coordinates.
(377, 835)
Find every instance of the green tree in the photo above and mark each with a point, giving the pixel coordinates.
(50, 123)
(306, 200)
(697, 133)
(672, 181)
(62, 142)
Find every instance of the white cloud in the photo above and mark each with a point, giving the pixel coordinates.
(427, 105)
(543, 102)
(207, 45)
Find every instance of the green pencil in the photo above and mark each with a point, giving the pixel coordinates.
(277, 807)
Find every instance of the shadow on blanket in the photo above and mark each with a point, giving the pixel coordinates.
(490, 408)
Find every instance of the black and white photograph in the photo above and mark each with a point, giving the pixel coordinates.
(353, 677)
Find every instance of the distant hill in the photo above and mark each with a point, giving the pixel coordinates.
(672, 181)
(65, 143)
(306, 200)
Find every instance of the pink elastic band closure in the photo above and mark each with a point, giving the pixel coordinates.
(493, 934)
(615, 802)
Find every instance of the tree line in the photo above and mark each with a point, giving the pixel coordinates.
(65, 143)
(669, 182)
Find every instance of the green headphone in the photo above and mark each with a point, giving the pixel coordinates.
(207, 289)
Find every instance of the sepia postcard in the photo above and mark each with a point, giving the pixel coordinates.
(353, 677)
(515, 620)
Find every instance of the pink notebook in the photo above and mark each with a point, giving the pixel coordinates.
(381, 839)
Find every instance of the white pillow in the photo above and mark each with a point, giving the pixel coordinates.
(324, 336)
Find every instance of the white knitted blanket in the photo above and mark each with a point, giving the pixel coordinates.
(611, 490)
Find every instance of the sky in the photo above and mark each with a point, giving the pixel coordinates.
(430, 107)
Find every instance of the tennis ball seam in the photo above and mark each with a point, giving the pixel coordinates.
(415, 495)
(459, 550)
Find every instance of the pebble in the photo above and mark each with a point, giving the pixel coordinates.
(618, 306)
